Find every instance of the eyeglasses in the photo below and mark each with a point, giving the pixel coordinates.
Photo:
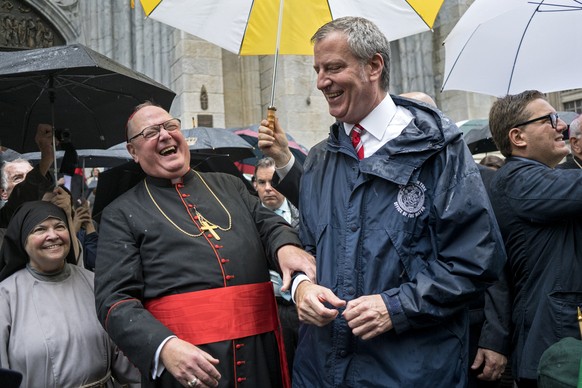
(153, 131)
(553, 117)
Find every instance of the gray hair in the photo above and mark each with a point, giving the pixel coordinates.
(364, 40)
(576, 127)
(3, 180)
(266, 162)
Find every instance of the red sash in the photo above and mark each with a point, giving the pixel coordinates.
(221, 314)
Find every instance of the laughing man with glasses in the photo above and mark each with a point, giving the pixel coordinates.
(539, 211)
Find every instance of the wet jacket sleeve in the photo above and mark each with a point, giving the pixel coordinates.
(289, 185)
(119, 291)
(497, 326)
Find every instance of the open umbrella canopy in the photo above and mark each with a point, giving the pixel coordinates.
(211, 141)
(502, 47)
(73, 88)
(89, 157)
(217, 140)
(250, 134)
(8, 155)
(250, 27)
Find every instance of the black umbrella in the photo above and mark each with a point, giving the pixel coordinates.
(89, 157)
(79, 91)
(479, 140)
(218, 141)
(250, 134)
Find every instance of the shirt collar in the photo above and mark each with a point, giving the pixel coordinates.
(378, 119)
(285, 206)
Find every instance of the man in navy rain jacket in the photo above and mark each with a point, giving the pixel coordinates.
(403, 234)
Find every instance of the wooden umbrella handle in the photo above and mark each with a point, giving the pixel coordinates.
(580, 320)
(271, 117)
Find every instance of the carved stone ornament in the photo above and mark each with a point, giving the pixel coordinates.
(203, 98)
(22, 27)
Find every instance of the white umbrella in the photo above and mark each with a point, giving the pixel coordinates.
(502, 47)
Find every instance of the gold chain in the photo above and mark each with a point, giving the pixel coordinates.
(203, 219)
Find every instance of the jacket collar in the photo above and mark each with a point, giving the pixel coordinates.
(427, 134)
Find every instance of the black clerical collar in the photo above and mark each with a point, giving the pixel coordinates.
(164, 182)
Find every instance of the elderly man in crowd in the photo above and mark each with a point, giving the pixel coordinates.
(574, 159)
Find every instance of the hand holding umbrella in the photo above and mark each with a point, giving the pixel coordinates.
(273, 142)
(44, 141)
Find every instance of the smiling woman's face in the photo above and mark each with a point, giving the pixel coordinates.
(47, 245)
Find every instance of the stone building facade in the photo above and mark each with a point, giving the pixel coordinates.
(216, 88)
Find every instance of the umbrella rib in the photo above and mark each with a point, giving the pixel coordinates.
(246, 26)
(29, 110)
(560, 6)
(72, 81)
(97, 124)
(519, 46)
(33, 79)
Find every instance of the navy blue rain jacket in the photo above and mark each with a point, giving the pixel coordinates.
(412, 223)
(539, 211)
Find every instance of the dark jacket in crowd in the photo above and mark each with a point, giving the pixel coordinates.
(539, 211)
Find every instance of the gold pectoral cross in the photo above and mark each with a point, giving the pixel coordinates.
(208, 227)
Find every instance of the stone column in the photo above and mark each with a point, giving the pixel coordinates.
(197, 63)
(242, 93)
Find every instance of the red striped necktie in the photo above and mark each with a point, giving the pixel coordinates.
(355, 135)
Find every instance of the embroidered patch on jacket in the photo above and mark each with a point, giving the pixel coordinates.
(410, 202)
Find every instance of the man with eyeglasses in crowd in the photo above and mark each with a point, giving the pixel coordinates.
(182, 282)
(539, 211)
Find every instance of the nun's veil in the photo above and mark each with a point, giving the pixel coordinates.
(13, 257)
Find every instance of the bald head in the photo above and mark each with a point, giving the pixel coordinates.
(420, 96)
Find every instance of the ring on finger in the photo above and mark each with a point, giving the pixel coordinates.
(194, 382)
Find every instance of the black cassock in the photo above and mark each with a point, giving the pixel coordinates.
(149, 247)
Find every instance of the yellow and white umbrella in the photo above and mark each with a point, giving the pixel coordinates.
(273, 27)
(249, 27)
